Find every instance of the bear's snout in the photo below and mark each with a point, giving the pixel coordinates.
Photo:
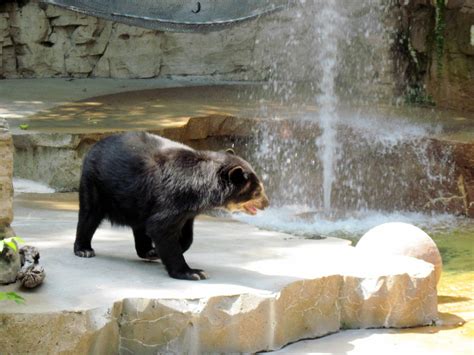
(261, 202)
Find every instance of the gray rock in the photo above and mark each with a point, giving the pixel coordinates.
(9, 259)
(131, 52)
(276, 290)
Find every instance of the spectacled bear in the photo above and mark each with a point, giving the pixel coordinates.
(157, 187)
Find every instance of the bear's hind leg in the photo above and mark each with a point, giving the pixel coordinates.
(86, 227)
(90, 216)
(186, 235)
(144, 245)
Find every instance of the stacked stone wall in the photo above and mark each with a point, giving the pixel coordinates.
(386, 46)
(39, 40)
(6, 176)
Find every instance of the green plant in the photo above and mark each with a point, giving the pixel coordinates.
(416, 95)
(10, 243)
(440, 25)
(24, 126)
(11, 296)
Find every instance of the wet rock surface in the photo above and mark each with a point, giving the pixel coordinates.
(266, 289)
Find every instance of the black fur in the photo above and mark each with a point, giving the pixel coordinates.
(157, 187)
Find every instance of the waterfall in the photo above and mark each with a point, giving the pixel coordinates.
(329, 24)
(331, 150)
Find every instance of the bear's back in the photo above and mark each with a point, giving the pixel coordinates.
(144, 144)
(134, 173)
(133, 148)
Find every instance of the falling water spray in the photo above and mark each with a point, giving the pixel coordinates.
(328, 27)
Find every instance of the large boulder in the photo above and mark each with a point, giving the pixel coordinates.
(398, 238)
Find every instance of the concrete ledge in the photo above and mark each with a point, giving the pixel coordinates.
(266, 290)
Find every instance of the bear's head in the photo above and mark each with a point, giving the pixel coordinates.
(247, 193)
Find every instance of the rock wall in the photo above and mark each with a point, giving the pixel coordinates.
(38, 40)
(438, 44)
(387, 49)
(6, 176)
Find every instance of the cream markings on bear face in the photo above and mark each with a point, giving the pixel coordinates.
(254, 199)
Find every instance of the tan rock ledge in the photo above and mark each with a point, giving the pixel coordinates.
(266, 290)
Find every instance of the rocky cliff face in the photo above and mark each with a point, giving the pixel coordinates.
(408, 48)
(438, 42)
(47, 41)
(38, 40)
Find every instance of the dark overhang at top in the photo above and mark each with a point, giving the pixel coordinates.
(175, 15)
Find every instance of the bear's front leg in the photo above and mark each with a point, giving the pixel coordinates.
(143, 245)
(166, 234)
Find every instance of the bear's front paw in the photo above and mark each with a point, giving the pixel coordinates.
(190, 274)
(85, 253)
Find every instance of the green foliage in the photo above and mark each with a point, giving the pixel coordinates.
(416, 95)
(440, 25)
(10, 243)
(24, 126)
(414, 90)
(11, 296)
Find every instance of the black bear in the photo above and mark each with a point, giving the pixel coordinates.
(157, 187)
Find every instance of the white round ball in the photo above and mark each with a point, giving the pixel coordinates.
(398, 238)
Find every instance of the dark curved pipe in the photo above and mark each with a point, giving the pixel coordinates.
(175, 16)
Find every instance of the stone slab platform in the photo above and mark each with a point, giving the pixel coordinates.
(266, 290)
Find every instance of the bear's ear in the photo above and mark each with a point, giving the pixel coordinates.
(230, 151)
(237, 175)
